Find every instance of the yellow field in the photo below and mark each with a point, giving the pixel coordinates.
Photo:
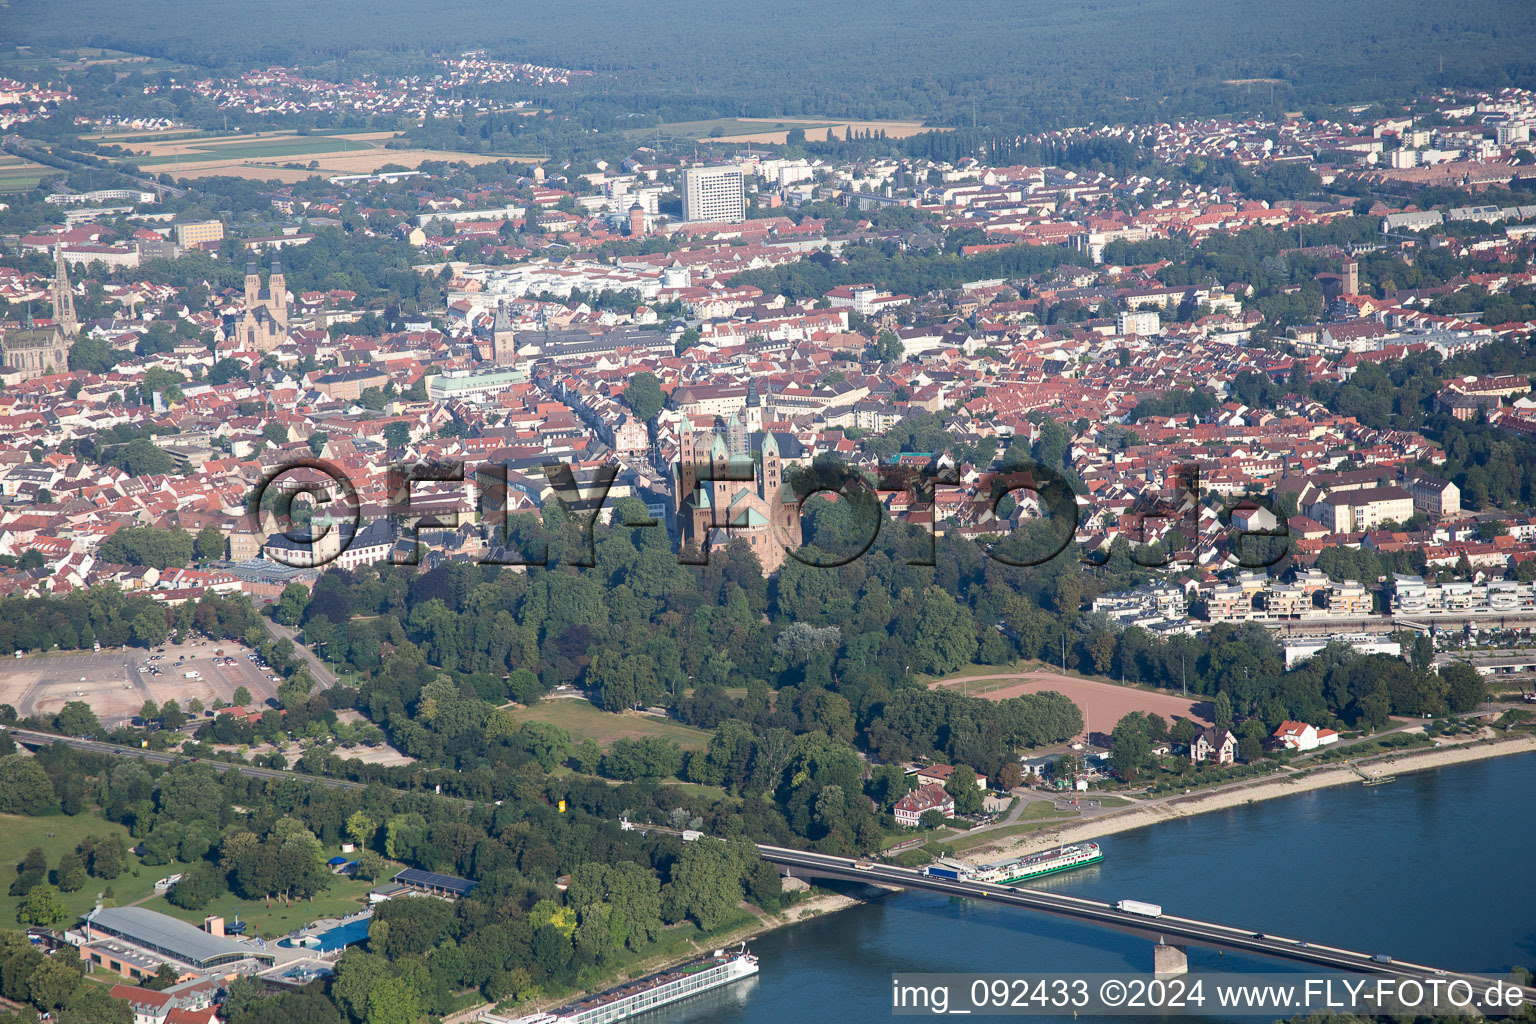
(279, 156)
(341, 163)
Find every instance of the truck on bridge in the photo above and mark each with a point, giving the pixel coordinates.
(1139, 908)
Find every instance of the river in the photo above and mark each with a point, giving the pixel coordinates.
(1435, 867)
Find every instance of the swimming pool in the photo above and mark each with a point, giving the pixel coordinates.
(343, 935)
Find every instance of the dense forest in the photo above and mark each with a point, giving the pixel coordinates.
(1021, 65)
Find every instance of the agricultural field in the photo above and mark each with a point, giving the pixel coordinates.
(280, 156)
(774, 130)
(583, 721)
(17, 174)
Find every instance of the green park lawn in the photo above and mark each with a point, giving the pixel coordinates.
(60, 834)
(345, 896)
(583, 721)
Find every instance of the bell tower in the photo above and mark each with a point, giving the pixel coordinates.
(252, 285)
(277, 289)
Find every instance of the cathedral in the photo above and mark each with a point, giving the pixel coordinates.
(757, 506)
(43, 350)
(263, 325)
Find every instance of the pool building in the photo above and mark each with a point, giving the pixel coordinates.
(162, 936)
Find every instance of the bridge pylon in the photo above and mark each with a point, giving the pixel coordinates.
(1168, 961)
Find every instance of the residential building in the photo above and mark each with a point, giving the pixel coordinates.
(191, 234)
(714, 194)
(910, 809)
(1213, 744)
(1303, 736)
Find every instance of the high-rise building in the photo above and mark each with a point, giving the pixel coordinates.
(714, 194)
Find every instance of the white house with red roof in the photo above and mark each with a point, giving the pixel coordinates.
(1303, 736)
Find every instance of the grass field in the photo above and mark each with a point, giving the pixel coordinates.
(971, 842)
(18, 175)
(346, 896)
(583, 721)
(58, 835)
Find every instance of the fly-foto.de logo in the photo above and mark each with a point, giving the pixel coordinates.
(1022, 517)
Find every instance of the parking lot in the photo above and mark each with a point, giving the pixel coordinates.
(215, 682)
(116, 682)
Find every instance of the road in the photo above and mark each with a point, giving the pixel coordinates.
(324, 678)
(1170, 928)
(43, 739)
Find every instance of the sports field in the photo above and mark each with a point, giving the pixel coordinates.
(1102, 703)
(583, 721)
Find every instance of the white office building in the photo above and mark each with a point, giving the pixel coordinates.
(714, 194)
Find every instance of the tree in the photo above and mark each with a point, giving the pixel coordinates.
(52, 981)
(392, 1001)
(291, 604)
(164, 977)
(1131, 747)
(24, 787)
(962, 788)
(94, 355)
(171, 715)
(705, 884)
(70, 875)
(208, 545)
(644, 396)
(91, 1004)
(1223, 710)
(397, 434)
(198, 887)
(242, 697)
(1182, 732)
(42, 907)
(1465, 689)
(887, 348)
(1249, 748)
(361, 829)
(77, 719)
(1010, 776)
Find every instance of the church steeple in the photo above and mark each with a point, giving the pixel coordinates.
(252, 285)
(63, 295)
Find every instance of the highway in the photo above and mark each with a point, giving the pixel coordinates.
(1175, 930)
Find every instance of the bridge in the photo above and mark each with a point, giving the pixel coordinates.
(1171, 933)
(1169, 957)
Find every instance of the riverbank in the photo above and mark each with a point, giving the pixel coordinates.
(802, 910)
(1303, 780)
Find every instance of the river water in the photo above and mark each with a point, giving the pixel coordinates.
(1435, 868)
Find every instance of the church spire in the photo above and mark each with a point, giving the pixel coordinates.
(63, 295)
